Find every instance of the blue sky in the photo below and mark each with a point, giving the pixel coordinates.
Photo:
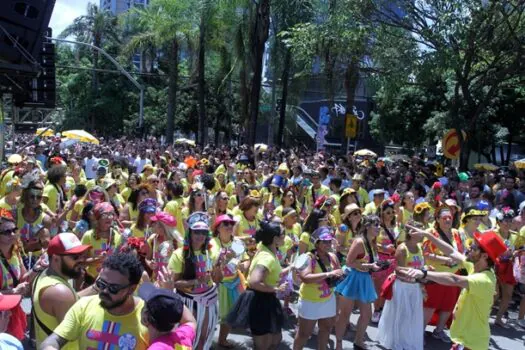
(66, 11)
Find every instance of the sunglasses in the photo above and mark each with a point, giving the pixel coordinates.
(227, 224)
(33, 197)
(200, 233)
(224, 198)
(143, 193)
(198, 194)
(8, 232)
(74, 257)
(107, 216)
(111, 288)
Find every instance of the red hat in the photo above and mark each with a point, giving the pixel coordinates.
(165, 218)
(65, 244)
(491, 243)
(8, 302)
(222, 218)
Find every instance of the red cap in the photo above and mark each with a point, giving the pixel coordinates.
(491, 243)
(66, 244)
(222, 218)
(8, 302)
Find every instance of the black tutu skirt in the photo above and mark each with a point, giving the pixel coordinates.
(260, 312)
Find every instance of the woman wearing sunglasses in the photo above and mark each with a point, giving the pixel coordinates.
(348, 230)
(142, 227)
(130, 212)
(317, 301)
(231, 285)
(358, 287)
(33, 223)
(196, 274)
(162, 242)
(258, 308)
(387, 242)
(104, 238)
(196, 201)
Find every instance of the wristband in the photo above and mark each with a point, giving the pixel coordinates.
(425, 273)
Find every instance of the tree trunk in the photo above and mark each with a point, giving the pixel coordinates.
(509, 147)
(172, 89)
(284, 96)
(259, 36)
(501, 154)
(203, 127)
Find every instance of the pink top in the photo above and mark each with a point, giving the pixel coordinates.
(179, 339)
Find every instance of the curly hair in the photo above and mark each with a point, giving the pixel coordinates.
(126, 264)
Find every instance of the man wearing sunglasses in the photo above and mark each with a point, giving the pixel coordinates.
(110, 319)
(52, 294)
(470, 327)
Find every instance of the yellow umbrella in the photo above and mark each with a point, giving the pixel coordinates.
(365, 153)
(520, 164)
(44, 132)
(485, 166)
(80, 135)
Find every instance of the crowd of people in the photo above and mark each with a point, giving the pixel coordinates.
(132, 244)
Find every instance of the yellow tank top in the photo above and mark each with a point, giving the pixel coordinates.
(317, 292)
(414, 260)
(48, 320)
(247, 228)
(28, 231)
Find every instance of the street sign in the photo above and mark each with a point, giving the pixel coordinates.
(450, 144)
(350, 126)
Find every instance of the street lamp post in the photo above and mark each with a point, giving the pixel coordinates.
(119, 67)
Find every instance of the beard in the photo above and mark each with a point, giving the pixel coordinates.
(73, 272)
(108, 304)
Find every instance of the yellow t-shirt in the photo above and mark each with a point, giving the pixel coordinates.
(6, 177)
(247, 228)
(470, 327)
(370, 209)
(317, 292)
(174, 208)
(220, 249)
(52, 195)
(321, 191)
(95, 328)
(98, 247)
(203, 264)
(50, 321)
(291, 236)
(266, 258)
(305, 238)
(126, 192)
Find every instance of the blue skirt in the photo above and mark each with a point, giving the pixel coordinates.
(357, 286)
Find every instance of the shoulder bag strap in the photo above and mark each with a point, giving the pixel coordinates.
(16, 281)
(35, 317)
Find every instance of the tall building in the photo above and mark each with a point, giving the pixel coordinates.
(116, 7)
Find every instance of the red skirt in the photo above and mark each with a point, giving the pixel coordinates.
(504, 272)
(441, 298)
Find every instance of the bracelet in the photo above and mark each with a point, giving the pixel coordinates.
(425, 273)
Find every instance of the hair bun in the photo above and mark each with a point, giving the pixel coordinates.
(267, 230)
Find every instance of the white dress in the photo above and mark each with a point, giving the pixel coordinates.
(401, 326)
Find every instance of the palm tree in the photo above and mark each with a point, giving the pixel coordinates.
(164, 24)
(95, 27)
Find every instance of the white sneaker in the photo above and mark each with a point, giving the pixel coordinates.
(376, 316)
